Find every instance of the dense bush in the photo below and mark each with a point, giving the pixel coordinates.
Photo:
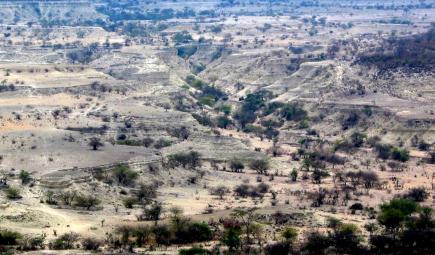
(87, 201)
(8, 237)
(247, 112)
(417, 194)
(185, 159)
(202, 119)
(91, 244)
(223, 121)
(410, 53)
(260, 165)
(358, 139)
(182, 37)
(244, 190)
(161, 143)
(65, 242)
(236, 165)
(293, 112)
(383, 150)
(280, 248)
(29, 242)
(124, 175)
(400, 154)
(194, 251)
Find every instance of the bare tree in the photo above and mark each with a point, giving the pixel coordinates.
(95, 143)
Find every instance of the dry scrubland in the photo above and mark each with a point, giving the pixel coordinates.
(217, 127)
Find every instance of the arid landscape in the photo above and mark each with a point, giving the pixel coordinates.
(217, 127)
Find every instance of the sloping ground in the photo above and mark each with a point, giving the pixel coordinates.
(53, 152)
(252, 68)
(51, 76)
(30, 55)
(68, 11)
(216, 148)
(310, 80)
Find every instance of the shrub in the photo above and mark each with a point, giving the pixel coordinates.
(182, 37)
(186, 51)
(68, 196)
(65, 241)
(129, 202)
(350, 120)
(147, 141)
(95, 143)
(400, 154)
(130, 142)
(219, 191)
(294, 174)
(383, 150)
(423, 146)
(356, 206)
(236, 165)
(417, 194)
(24, 176)
(290, 234)
(431, 159)
(316, 243)
(194, 251)
(200, 232)
(223, 122)
(184, 159)
(203, 119)
(8, 237)
(226, 109)
(161, 143)
(260, 165)
(318, 175)
(394, 213)
(357, 139)
(277, 249)
(293, 112)
(91, 244)
(146, 193)
(152, 212)
(124, 175)
(346, 239)
(262, 188)
(181, 133)
(252, 103)
(244, 190)
(29, 242)
(231, 237)
(87, 201)
(13, 193)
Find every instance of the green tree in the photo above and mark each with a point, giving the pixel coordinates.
(260, 165)
(294, 174)
(24, 176)
(393, 214)
(231, 238)
(236, 165)
(124, 175)
(290, 234)
(400, 154)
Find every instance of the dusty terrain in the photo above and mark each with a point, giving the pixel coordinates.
(67, 78)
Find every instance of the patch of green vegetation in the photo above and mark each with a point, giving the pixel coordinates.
(186, 51)
(293, 112)
(209, 94)
(130, 142)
